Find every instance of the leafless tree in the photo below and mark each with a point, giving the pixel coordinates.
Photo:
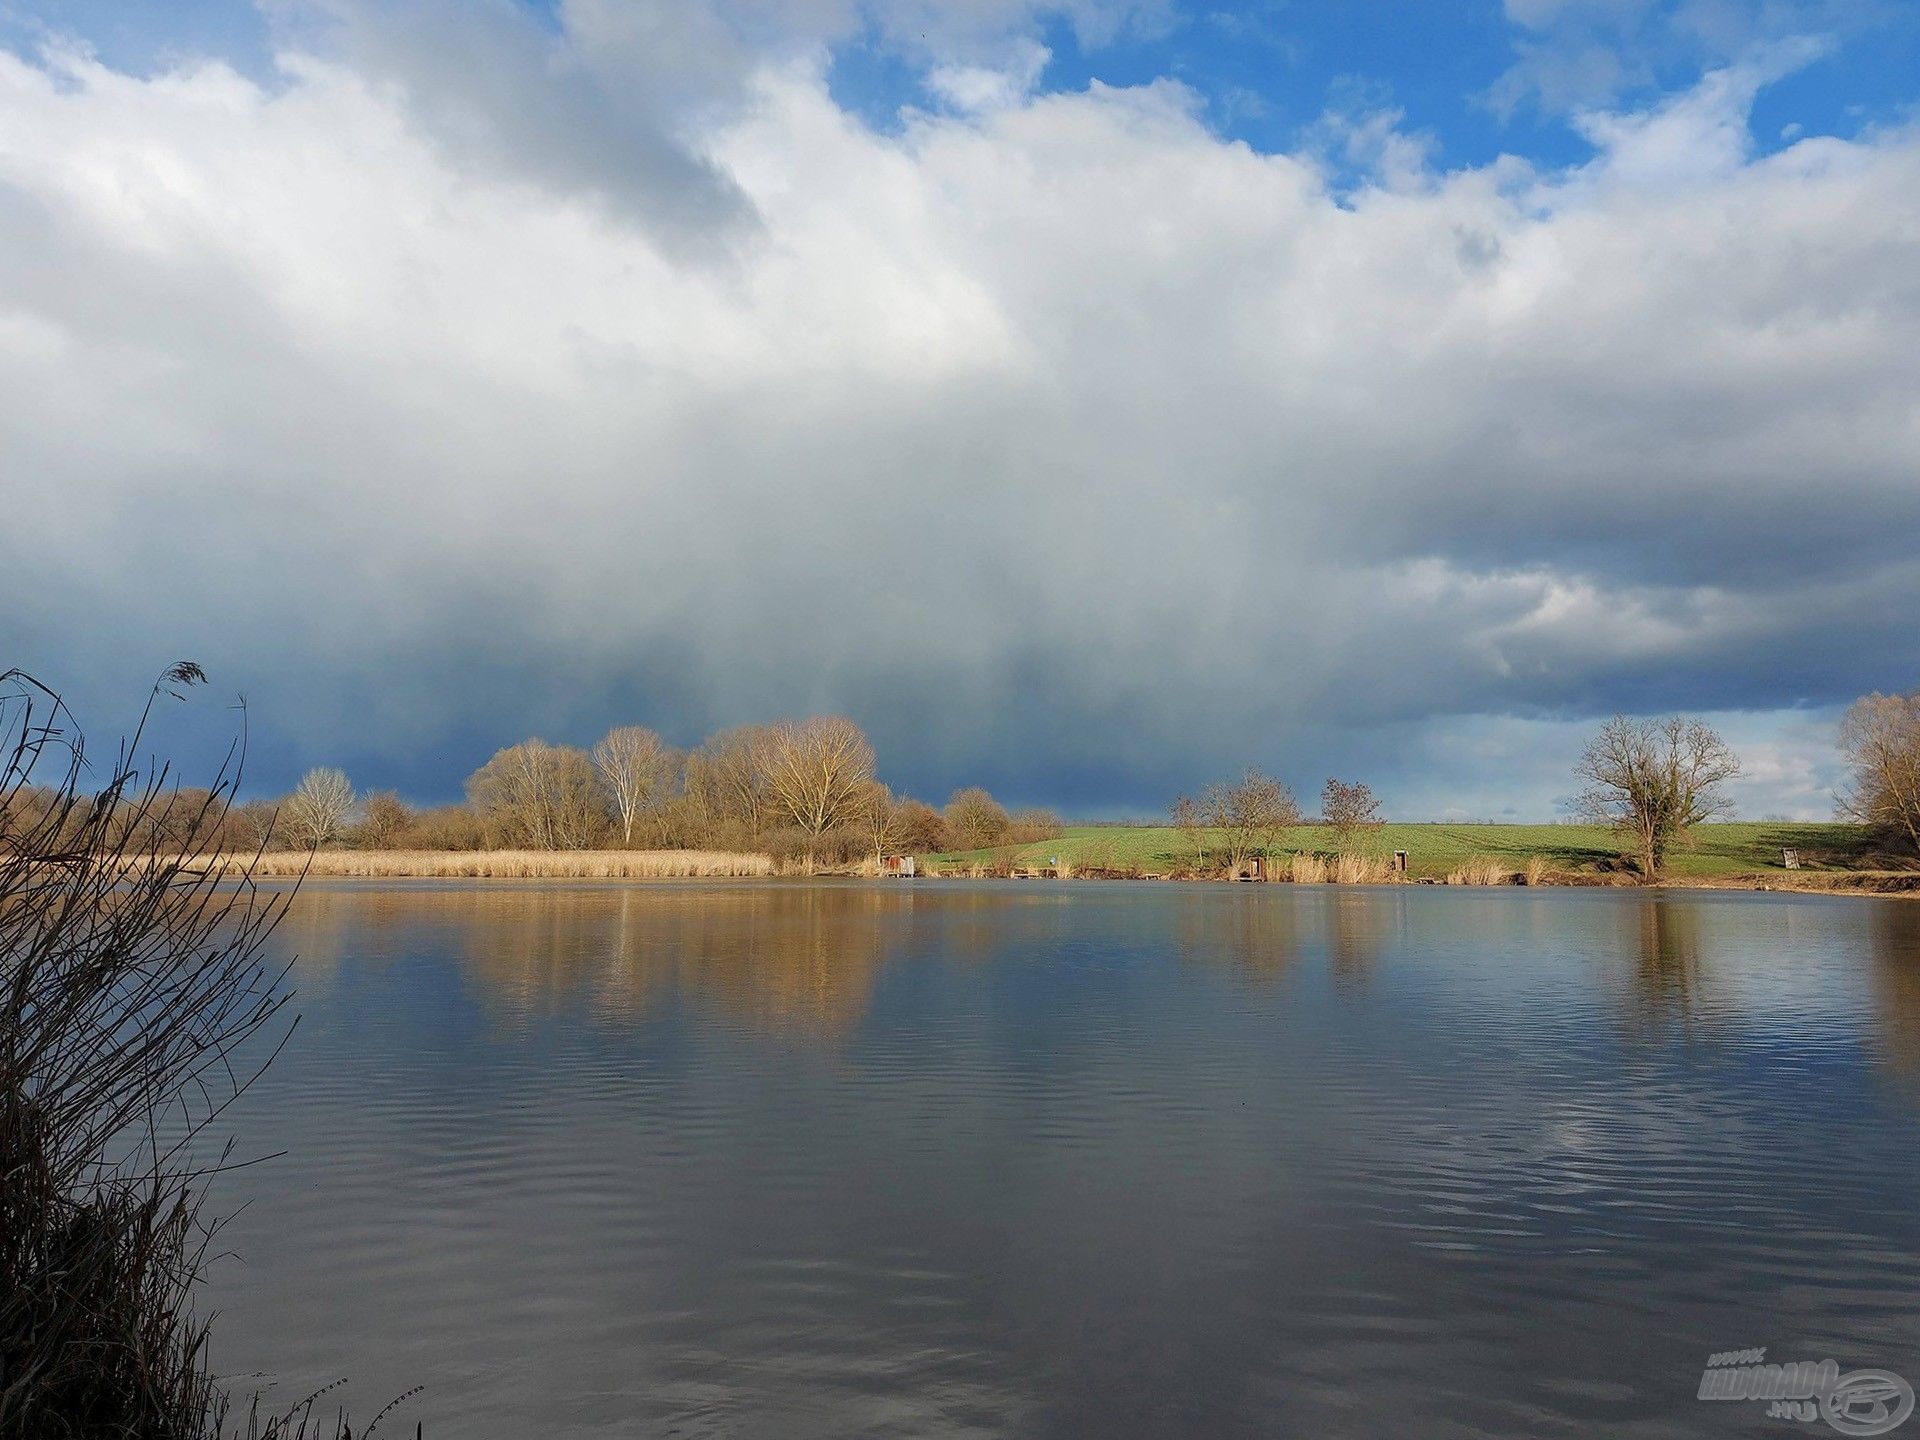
(880, 820)
(383, 818)
(1654, 780)
(1031, 826)
(1351, 812)
(1880, 736)
(638, 769)
(921, 828)
(1251, 817)
(728, 777)
(254, 824)
(540, 796)
(317, 810)
(976, 820)
(817, 772)
(1191, 821)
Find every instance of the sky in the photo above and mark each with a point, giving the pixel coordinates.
(1089, 397)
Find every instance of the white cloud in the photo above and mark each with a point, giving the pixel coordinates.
(1575, 55)
(1700, 134)
(979, 88)
(1061, 441)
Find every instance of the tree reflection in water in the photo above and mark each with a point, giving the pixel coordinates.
(1895, 926)
(1668, 979)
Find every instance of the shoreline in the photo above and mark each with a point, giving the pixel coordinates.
(642, 865)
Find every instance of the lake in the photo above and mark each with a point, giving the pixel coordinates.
(1064, 1159)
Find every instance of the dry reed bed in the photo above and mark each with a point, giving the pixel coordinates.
(507, 864)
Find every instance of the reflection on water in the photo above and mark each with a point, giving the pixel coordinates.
(1039, 1159)
(1668, 979)
(1896, 974)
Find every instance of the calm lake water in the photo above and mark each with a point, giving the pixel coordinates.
(1039, 1159)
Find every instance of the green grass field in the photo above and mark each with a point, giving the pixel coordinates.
(1734, 848)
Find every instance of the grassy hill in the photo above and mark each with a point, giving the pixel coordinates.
(1734, 848)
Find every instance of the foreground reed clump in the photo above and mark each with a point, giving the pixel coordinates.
(509, 864)
(133, 987)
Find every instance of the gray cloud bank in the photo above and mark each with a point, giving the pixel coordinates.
(1063, 444)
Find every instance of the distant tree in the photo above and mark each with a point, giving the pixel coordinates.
(1880, 736)
(317, 810)
(253, 825)
(176, 821)
(638, 769)
(540, 797)
(383, 818)
(817, 773)
(976, 820)
(728, 781)
(1654, 780)
(1191, 821)
(1351, 812)
(448, 827)
(922, 830)
(1029, 827)
(1249, 817)
(880, 820)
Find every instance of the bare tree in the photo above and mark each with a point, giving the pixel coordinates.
(1654, 780)
(1033, 825)
(253, 825)
(976, 820)
(382, 819)
(1880, 736)
(317, 810)
(728, 778)
(881, 820)
(638, 769)
(1191, 821)
(1351, 813)
(921, 828)
(1250, 817)
(817, 772)
(540, 796)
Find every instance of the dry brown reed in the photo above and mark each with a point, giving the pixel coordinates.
(1480, 870)
(512, 864)
(1361, 870)
(1307, 870)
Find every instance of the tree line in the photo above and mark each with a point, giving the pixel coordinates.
(1652, 781)
(1230, 822)
(801, 790)
(805, 791)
